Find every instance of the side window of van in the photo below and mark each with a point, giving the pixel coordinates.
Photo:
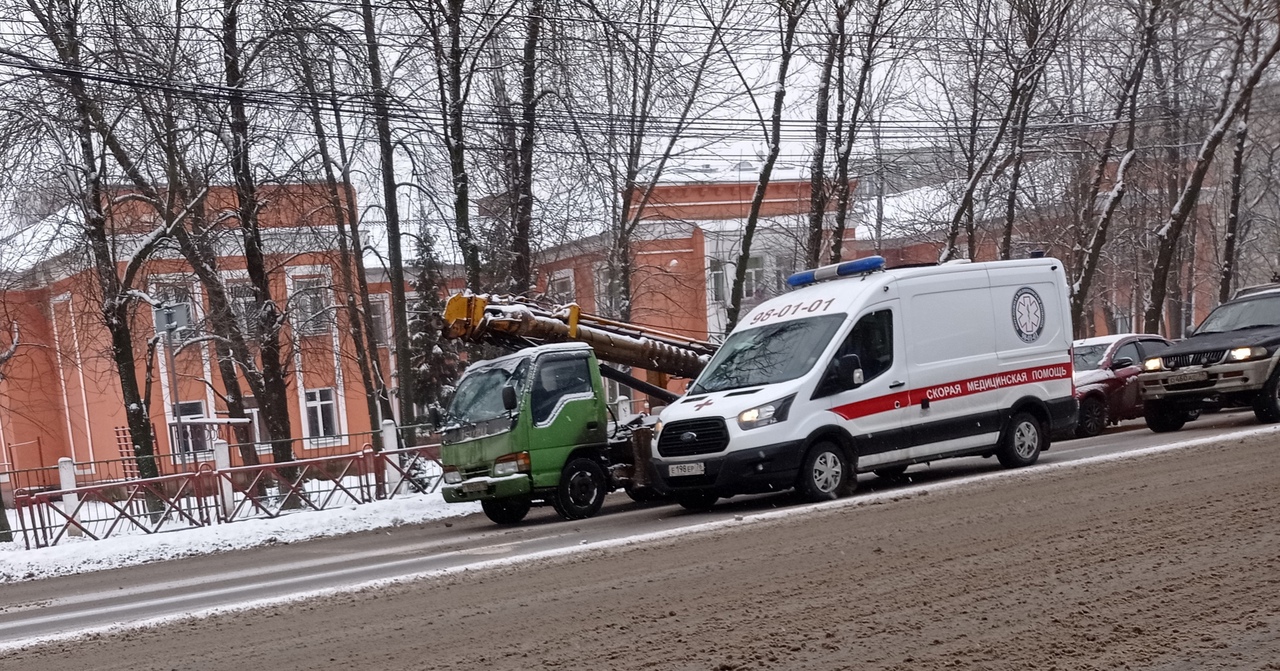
(872, 340)
(554, 380)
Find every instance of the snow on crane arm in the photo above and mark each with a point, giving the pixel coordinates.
(510, 320)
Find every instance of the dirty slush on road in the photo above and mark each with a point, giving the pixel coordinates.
(1164, 562)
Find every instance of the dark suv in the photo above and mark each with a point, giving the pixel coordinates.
(1228, 362)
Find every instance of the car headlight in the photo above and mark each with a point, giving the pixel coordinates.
(510, 464)
(451, 475)
(764, 415)
(1153, 364)
(657, 430)
(1246, 353)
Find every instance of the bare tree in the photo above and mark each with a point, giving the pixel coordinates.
(1236, 93)
(789, 12)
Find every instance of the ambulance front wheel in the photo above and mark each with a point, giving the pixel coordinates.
(825, 473)
(1022, 441)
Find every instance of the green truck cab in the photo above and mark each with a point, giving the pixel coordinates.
(530, 428)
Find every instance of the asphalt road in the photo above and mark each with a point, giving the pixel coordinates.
(61, 607)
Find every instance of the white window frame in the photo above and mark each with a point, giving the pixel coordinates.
(318, 405)
(381, 305)
(716, 280)
(182, 448)
(319, 322)
(557, 297)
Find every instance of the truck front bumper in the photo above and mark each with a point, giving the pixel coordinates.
(1189, 384)
(759, 469)
(482, 488)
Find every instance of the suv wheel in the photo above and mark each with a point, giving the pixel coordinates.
(1266, 406)
(1022, 441)
(1163, 419)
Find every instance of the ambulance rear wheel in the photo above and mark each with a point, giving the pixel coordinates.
(890, 472)
(1022, 441)
(581, 491)
(825, 473)
(505, 511)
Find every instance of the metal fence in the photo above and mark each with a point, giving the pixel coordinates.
(70, 500)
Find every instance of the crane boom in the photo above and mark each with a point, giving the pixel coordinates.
(515, 321)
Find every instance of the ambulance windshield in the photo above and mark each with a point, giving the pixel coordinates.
(768, 354)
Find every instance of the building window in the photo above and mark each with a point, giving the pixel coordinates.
(191, 438)
(322, 414)
(245, 307)
(560, 287)
(257, 432)
(753, 284)
(378, 316)
(717, 280)
(310, 306)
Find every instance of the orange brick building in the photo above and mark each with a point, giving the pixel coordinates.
(60, 395)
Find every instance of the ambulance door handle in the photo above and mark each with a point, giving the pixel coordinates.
(897, 383)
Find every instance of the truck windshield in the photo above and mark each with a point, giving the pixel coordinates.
(1254, 313)
(479, 395)
(768, 354)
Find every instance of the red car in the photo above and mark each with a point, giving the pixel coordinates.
(1106, 378)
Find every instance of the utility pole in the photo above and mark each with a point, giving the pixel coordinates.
(175, 320)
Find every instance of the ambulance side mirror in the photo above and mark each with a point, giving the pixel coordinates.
(509, 400)
(849, 368)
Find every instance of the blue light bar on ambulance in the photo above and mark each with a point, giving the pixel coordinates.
(860, 266)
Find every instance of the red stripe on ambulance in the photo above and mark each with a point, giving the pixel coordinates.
(949, 390)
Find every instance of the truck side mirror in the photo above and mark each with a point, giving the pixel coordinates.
(509, 400)
(1122, 362)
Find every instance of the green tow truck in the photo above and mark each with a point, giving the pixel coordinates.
(535, 427)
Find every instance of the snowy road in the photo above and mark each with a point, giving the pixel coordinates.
(62, 607)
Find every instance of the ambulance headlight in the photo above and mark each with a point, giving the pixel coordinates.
(764, 415)
(1153, 364)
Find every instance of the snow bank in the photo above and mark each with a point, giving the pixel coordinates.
(73, 555)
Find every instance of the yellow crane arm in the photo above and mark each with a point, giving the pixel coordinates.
(508, 320)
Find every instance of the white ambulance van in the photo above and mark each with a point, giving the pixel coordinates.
(863, 369)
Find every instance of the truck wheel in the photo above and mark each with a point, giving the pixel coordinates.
(581, 490)
(890, 472)
(1266, 405)
(1093, 417)
(1162, 419)
(1022, 441)
(696, 501)
(824, 473)
(505, 511)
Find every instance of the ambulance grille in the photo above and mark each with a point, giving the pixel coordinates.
(709, 436)
(1196, 359)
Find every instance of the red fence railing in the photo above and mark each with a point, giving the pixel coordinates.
(205, 495)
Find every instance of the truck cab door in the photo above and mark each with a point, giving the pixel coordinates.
(566, 411)
(872, 410)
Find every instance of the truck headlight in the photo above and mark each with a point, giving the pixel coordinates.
(1153, 364)
(451, 475)
(1246, 353)
(510, 464)
(764, 415)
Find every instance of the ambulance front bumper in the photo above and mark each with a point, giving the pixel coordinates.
(766, 468)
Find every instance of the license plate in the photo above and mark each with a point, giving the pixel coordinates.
(475, 486)
(1184, 378)
(677, 470)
